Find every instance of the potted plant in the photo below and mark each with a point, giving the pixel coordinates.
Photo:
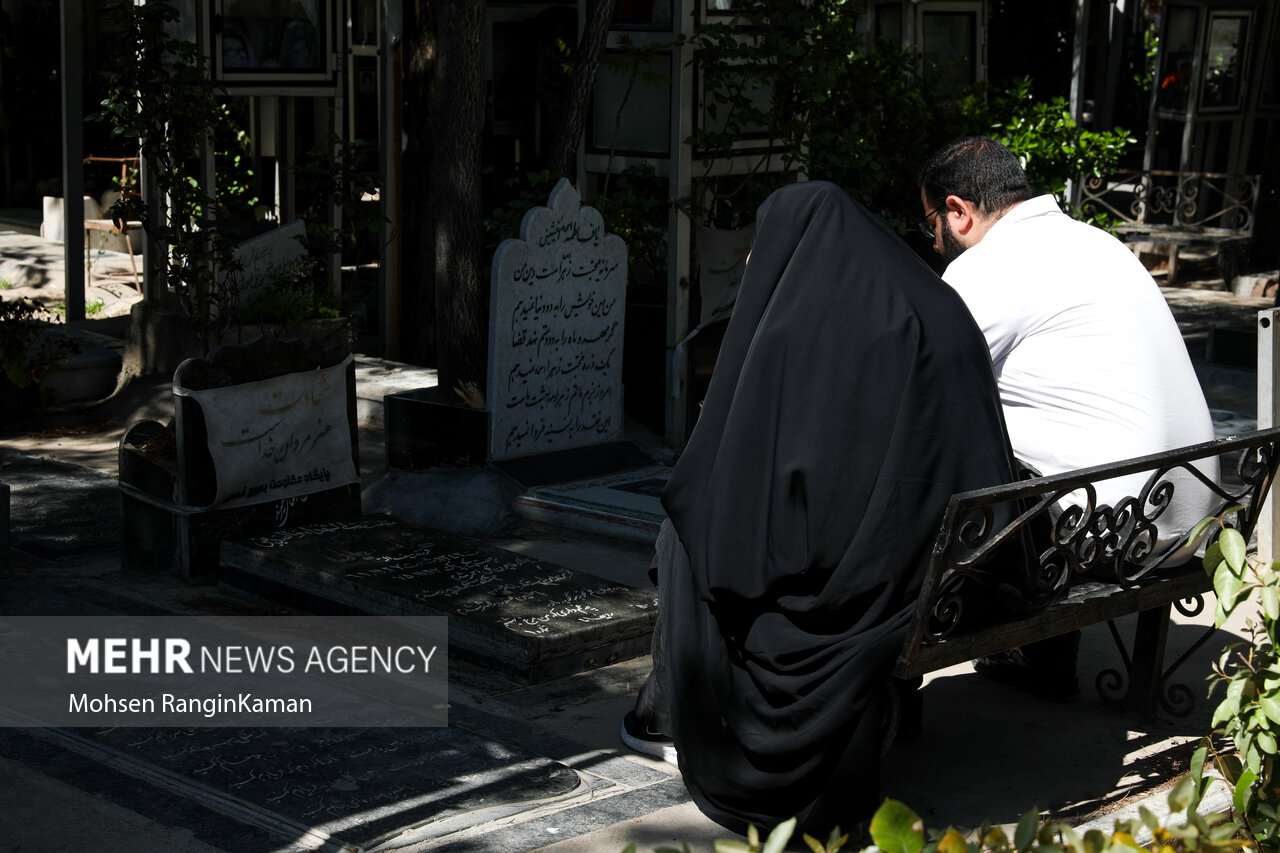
(27, 355)
(162, 98)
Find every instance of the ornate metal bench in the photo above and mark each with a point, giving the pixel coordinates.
(1091, 569)
(1180, 210)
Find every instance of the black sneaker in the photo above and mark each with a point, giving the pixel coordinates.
(646, 741)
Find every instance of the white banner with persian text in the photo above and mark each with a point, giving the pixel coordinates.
(279, 438)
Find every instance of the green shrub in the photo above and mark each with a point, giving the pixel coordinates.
(895, 828)
(1249, 673)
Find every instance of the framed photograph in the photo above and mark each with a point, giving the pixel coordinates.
(1225, 56)
(271, 43)
(631, 109)
(734, 105)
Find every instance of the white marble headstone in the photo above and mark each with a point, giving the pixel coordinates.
(555, 331)
(267, 257)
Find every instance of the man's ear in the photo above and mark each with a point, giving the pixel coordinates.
(964, 217)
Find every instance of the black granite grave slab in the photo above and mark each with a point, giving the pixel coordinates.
(322, 789)
(527, 618)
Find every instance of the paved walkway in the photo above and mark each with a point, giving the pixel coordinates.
(986, 752)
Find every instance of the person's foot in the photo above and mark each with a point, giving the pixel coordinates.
(1053, 683)
(645, 740)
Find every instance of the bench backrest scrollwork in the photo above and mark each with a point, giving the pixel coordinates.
(1212, 202)
(1016, 542)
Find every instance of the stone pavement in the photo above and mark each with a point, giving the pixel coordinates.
(559, 779)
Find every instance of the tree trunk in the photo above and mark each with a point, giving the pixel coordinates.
(417, 260)
(582, 84)
(462, 305)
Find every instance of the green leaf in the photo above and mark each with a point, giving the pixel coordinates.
(1124, 839)
(1148, 818)
(1026, 831)
(778, 839)
(1227, 583)
(1271, 603)
(952, 842)
(1234, 549)
(1201, 526)
(1181, 794)
(1212, 557)
(896, 828)
(1243, 791)
(1252, 757)
(1266, 742)
(1270, 705)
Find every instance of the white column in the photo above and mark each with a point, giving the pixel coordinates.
(73, 158)
(1268, 416)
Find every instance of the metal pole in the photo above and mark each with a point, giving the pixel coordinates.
(1268, 416)
(73, 157)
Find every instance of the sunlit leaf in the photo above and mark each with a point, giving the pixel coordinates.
(952, 842)
(1227, 584)
(1271, 603)
(1181, 794)
(896, 828)
(1124, 839)
(1201, 526)
(1267, 742)
(1212, 557)
(1234, 549)
(778, 839)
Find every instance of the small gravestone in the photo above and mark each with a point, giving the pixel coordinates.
(266, 259)
(529, 618)
(555, 337)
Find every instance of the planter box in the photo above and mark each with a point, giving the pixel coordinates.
(425, 432)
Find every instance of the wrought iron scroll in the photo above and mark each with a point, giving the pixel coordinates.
(1113, 542)
(1192, 201)
(1174, 699)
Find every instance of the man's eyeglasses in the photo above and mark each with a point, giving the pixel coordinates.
(926, 227)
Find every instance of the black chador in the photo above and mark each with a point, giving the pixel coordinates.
(852, 396)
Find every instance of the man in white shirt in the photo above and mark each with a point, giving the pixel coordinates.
(1089, 361)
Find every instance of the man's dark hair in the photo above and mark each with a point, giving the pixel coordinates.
(977, 169)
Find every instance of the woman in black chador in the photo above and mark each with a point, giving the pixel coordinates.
(852, 396)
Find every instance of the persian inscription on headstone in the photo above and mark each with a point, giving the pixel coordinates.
(278, 438)
(265, 258)
(555, 335)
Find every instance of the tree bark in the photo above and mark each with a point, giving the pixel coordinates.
(582, 85)
(462, 305)
(417, 260)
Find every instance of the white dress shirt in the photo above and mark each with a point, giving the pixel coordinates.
(1090, 363)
